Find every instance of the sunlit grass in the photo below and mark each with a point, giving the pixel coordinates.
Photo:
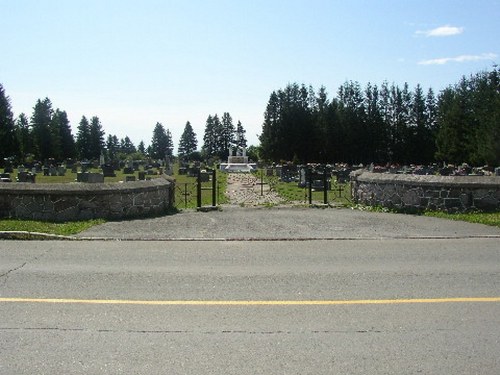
(63, 229)
(487, 218)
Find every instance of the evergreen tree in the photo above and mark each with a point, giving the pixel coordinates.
(170, 144)
(226, 136)
(83, 139)
(159, 143)
(141, 148)
(126, 146)
(8, 140)
(41, 129)
(188, 143)
(96, 138)
(210, 136)
(240, 135)
(112, 147)
(24, 137)
(63, 141)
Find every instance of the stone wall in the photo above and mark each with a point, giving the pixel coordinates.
(83, 201)
(418, 193)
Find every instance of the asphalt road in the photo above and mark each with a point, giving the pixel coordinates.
(364, 306)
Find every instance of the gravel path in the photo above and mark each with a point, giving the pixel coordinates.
(245, 189)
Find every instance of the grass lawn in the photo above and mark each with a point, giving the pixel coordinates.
(62, 229)
(487, 218)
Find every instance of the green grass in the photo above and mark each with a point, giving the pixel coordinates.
(487, 218)
(63, 229)
(186, 190)
(291, 193)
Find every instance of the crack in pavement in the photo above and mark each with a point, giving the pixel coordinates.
(5, 276)
(190, 332)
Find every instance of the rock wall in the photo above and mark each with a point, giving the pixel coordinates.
(418, 193)
(83, 201)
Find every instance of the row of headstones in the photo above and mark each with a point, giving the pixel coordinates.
(21, 177)
(99, 177)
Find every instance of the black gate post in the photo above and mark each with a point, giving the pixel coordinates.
(198, 190)
(214, 187)
(310, 179)
(325, 187)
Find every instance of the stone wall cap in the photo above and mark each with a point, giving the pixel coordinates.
(82, 187)
(486, 181)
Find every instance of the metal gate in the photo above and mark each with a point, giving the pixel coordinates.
(200, 193)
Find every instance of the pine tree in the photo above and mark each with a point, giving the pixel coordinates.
(112, 146)
(169, 144)
(209, 138)
(141, 148)
(8, 140)
(126, 146)
(159, 142)
(240, 135)
(41, 124)
(67, 140)
(25, 140)
(188, 142)
(96, 138)
(226, 136)
(83, 139)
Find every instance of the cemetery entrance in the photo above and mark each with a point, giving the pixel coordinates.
(199, 192)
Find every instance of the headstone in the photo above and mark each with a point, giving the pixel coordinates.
(74, 168)
(182, 170)
(128, 170)
(95, 178)
(5, 177)
(25, 177)
(129, 178)
(82, 177)
(46, 171)
(61, 171)
(52, 171)
(204, 177)
(497, 171)
(142, 175)
(108, 171)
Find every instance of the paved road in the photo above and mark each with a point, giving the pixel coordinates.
(109, 307)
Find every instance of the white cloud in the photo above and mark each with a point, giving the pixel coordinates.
(442, 31)
(459, 59)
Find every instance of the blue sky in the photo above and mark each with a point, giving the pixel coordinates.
(135, 63)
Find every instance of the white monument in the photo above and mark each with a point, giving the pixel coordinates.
(237, 160)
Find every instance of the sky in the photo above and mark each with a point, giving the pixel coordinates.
(136, 63)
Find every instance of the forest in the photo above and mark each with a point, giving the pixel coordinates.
(386, 124)
(370, 124)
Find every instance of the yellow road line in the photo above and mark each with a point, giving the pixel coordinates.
(252, 303)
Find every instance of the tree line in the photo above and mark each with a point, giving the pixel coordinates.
(47, 134)
(386, 124)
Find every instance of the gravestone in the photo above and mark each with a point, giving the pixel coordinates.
(497, 171)
(61, 171)
(128, 170)
(129, 178)
(142, 175)
(108, 171)
(5, 177)
(96, 178)
(25, 177)
(204, 177)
